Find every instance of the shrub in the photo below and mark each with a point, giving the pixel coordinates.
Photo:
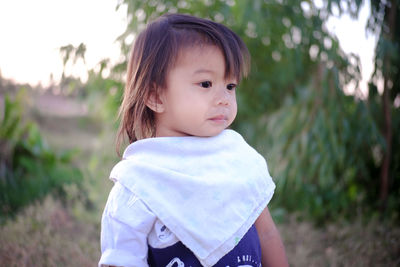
(29, 169)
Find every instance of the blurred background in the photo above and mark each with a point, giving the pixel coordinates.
(321, 104)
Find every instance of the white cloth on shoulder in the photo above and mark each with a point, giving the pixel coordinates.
(208, 191)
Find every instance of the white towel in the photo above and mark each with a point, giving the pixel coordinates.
(207, 190)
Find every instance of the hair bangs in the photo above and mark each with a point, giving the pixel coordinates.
(189, 31)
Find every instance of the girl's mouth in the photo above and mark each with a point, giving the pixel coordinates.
(219, 118)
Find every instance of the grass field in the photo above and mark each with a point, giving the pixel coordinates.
(52, 233)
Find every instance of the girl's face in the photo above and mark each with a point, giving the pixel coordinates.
(198, 100)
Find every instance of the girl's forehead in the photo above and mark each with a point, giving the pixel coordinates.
(193, 55)
(210, 57)
(200, 49)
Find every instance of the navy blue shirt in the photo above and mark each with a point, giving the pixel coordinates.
(246, 253)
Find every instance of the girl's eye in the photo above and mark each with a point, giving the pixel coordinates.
(206, 84)
(231, 86)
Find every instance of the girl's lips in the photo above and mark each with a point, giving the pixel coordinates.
(219, 118)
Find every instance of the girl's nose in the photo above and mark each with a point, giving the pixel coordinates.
(222, 96)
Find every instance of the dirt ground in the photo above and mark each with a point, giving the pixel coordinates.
(50, 234)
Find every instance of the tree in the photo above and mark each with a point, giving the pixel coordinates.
(385, 21)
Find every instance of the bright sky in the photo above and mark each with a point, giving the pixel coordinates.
(32, 31)
(353, 38)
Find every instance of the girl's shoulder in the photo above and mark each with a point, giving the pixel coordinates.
(123, 204)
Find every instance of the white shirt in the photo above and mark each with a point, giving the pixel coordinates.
(193, 186)
(127, 227)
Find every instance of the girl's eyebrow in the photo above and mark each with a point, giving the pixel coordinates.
(199, 71)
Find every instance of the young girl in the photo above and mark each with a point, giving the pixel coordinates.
(188, 192)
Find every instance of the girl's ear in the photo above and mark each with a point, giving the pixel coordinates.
(155, 102)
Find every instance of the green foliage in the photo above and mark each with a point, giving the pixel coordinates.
(107, 91)
(29, 169)
(70, 52)
(384, 22)
(323, 155)
(104, 87)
